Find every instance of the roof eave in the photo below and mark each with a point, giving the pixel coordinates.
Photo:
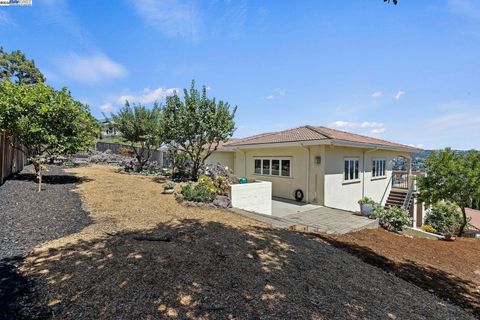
(323, 142)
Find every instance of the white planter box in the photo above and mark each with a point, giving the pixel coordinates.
(254, 197)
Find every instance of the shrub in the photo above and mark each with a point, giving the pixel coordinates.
(207, 183)
(149, 168)
(393, 218)
(428, 228)
(126, 152)
(366, 200)
(445, 218)
(197, 193)
(169, 185)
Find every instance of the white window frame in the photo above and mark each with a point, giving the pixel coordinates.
(376, 164)
(351, 160)
(269, 173)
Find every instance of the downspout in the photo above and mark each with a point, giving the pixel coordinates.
(308, 171)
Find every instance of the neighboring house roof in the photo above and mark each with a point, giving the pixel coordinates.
(312, 133)
(474, 216)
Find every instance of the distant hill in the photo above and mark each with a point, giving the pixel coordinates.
(418, 160)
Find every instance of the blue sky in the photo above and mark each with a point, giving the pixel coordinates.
(408, 73)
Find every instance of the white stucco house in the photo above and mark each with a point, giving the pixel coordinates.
(320, 165)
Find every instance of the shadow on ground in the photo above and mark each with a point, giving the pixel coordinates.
(208, 270)
(449, 287)
(51, 179)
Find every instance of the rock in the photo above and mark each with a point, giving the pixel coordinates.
(222, 202)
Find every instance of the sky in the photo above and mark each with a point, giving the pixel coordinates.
(408, 73)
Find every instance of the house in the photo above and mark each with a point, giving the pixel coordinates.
(320, 165)
(108, 129)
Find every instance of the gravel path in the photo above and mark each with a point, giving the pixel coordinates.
(29, 218)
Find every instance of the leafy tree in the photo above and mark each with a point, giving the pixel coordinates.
(197, 125)
(16, 66)
(45, 121)
(453, 177)
(393, 1)
(141, 128)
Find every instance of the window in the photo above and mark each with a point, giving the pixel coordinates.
(279, 167)
(265, 166)
(351, 169)
(378, 168)
(275, 167)
(258, 166)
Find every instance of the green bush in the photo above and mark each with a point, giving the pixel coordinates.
(198, 193)
(445, 218)
(366, 200)
(393, 218)
(169, 185)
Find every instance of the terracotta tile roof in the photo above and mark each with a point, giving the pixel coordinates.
(311, 133)
(474, 216)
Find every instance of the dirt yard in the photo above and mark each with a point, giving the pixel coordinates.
(209, 264)
(450, 270)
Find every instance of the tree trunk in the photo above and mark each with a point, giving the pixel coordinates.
(195, 168)
(464, 223)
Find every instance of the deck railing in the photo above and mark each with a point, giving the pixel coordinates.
(400, 180)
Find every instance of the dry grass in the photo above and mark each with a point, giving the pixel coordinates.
(218, 265)
(123, 202)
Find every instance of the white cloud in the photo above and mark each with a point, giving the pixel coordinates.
(367, 124)
(92, 69)
(378, 131)
(208, 88)
(148, 95)
(377, 94)
(170, 17)
(5, 19)
(276, 92)
(107, 107)
(344, 124)
(399, 94)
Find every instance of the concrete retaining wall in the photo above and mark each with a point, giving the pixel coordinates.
(254, 197)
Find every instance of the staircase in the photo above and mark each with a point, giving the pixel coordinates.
(397, 199)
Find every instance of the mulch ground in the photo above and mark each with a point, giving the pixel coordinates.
(206, 264)
(450, 270)
(29, 218)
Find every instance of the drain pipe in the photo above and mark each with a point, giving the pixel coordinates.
(308, 171)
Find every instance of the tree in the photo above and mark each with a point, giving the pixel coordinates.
(141, 127)
(15, 66)
(45, 121)
(393, 1)
(451, 176)
(197, 125)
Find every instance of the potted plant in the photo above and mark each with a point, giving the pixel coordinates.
(366, 206)
(168, 187)
(451, 231)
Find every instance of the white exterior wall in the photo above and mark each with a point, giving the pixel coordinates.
(254, 197)
(345, 194)
(225, 158)
(283, 187)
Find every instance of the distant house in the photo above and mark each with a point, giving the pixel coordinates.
(323, 166)
(108, 129)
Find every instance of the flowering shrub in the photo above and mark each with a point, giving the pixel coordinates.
(131, 165)
(393, 218)
(428, 228)
(445, 218)
(198, 193)
(106, 157)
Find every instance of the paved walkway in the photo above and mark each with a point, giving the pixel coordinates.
(313, 218)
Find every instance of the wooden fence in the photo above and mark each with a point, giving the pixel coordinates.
(12, 160)
(160, 156)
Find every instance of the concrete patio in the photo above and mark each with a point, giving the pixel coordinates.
(309, 217)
